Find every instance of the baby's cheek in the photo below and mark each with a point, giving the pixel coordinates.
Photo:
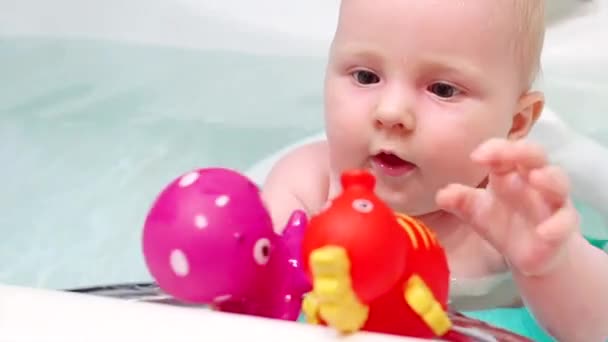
(448, 155)
(347, 126)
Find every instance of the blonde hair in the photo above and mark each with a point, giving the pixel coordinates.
(530, 37)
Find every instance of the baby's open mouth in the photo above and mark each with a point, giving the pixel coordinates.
(391, 164)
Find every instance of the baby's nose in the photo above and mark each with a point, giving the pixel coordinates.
(394, 120)
(394, 111)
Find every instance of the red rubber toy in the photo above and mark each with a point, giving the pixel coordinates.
(373, 269)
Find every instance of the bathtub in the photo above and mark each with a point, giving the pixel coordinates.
(104, 102)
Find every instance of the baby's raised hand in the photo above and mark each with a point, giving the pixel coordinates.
(525, 212)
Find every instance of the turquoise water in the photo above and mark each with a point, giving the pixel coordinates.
(91, 131)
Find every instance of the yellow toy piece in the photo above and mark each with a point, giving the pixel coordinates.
(421, 299)
(333, 298)
(310, 308)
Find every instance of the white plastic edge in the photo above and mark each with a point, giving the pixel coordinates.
(36, 315)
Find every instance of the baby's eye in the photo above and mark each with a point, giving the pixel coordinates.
(443, 90)
(366, 77)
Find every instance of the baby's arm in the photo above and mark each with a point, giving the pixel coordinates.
(572, 300)
(526, 215)
(299, 180)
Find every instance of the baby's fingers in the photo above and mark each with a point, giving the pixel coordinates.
(552, 184)
(553, 235)
(503, 156)
(474, 206)
(559, 226)
(458, 199)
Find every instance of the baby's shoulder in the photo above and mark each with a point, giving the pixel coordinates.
(304, 172)
(309, 160)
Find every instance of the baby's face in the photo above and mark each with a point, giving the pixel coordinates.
(424, 81)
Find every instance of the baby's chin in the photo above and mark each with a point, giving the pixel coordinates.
(411, 201)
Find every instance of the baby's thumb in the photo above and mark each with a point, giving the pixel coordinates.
(458, 200)
(471, 205)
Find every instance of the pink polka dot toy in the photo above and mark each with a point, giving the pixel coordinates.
(208, 239)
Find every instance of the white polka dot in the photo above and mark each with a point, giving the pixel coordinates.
(222, 201)
(200, 221)
(188, 179)
(221, 299)
(179, 263)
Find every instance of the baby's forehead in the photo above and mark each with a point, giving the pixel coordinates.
(488, 28)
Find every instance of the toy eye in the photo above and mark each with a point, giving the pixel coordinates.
(261, 251)
(363, 205)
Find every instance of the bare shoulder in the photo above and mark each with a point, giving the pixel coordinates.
(299, 180)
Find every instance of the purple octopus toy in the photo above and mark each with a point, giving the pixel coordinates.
(208, 239)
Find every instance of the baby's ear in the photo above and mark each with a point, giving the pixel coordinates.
(529, 108)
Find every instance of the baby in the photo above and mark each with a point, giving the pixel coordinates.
(435, 98)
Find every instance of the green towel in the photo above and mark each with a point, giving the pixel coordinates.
(599, 243)
(517, 320)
